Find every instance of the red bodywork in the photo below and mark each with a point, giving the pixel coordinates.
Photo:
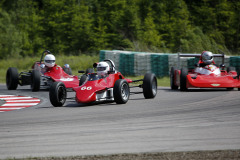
(195, 80)
(88, 91)
(58, 75)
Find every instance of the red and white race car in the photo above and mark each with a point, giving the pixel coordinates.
(41, 76)
(209, 76)
(113, 87)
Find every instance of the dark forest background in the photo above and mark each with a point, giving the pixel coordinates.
(73, 27)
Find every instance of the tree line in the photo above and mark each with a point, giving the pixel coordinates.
(27, 27)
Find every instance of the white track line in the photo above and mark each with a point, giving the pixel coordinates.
(33, 100)
(7, 95)
(16, 98)
(12, 108)
(20, 104)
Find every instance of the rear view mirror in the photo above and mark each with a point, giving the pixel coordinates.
(222, 65)
(94, 65)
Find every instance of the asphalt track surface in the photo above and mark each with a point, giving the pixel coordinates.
(174, 121)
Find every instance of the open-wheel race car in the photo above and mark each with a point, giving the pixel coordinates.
(97, 87)
(42, 74)
(207, 75)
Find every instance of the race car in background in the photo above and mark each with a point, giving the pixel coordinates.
(112, 87)
(212, 76)
(40, 76)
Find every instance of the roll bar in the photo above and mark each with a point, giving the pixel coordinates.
(197, 55)
(46, 51)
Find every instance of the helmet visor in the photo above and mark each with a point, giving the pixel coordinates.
(101, 68)
(49, 61)
(207, 57)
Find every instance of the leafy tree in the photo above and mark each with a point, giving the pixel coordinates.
(10, 37)
(195, 40)
(149, 34)
(85, 26)
(81, 36)
(172, 18)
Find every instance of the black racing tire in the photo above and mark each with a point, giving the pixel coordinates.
(183, 79)
(82, 79)
(89, 70)
(231, 69)
(12, 78)
(121, 91)
(67, 70)
(149, 85)
(57, 94)
(238, 73)
(35, 80)
(172, 78)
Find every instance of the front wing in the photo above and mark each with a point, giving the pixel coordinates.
(206, 81)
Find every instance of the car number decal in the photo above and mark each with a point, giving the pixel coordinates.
(86, 88)
(66, 79)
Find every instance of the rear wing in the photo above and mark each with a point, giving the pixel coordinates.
(197, 55)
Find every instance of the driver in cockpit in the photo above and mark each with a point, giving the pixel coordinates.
(206, 65)
(102, 69)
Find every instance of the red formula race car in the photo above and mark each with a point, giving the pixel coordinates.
(41, 75)
(208, 76)
(96, 88)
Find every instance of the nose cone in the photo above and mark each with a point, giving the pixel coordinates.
(84, 96)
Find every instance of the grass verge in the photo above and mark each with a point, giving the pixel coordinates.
(76, 63)
(191, 155)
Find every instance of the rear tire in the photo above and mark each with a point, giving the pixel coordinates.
(149, 85)
(183, 79)
(12, 78)
(35, 77)
(121, 91)
(172, 79)
(57, 94)
(231, 69)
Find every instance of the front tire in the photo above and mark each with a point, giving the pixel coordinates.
(183, 79)
(57, 94)
(35, 77)
(121, 91)
(172, 79)
(12, 78)
(149, 85)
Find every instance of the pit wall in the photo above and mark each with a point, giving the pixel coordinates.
(138, 63)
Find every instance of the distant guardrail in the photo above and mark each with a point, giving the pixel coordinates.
(138, 63)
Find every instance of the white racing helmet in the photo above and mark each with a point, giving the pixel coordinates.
(49, 60)
(102, 68)
(207, 57)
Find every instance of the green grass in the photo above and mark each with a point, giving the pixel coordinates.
(24, 64)
(193, 155)
(165, 81)
(76, 63)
